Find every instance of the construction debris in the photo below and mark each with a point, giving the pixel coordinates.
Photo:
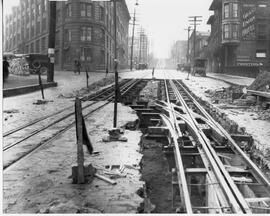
(115, 134)
(262, 82)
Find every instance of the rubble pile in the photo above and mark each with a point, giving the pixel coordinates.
(149, 93)
(262, 82)
(225, 95)
(261, 113)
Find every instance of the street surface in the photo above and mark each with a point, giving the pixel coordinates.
(42, 183)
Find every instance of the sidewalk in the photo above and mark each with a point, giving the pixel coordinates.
(236, 80)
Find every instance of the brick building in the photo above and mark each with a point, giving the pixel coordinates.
(84, 30)
(240, 36)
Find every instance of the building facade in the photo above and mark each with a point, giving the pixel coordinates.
(179, 52)
(84, 30)
(201, 43)
(239, 43)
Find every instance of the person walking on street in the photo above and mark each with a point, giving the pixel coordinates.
(79, 66)
(107, 71)
(75, 66)
(5, 68)
(153, 72)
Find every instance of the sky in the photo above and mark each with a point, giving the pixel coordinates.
(163, 20)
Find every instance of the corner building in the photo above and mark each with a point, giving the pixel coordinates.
(240, 36)
(84, 30)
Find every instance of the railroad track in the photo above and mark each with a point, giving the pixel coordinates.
(24, 140)
(213, 174)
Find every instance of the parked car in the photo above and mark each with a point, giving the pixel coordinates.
(37, 63)
(199, 67)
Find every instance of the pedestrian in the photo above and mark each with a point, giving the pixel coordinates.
(107, 71)
(79, 66)
(5, 68)
(153, 72)
(75, 66)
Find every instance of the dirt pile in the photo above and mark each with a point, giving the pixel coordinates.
(149, 93)
(262, 82)
(93, 87)
(224, 95)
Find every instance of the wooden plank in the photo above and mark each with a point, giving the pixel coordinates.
(105, 179)
(258, 199)
(259, 93)
(195, 170)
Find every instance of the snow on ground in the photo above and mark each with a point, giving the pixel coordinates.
(41, 183)
(24, 109)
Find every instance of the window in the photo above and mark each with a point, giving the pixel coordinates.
(261, 53)
(83, 9)
(67, 35)
(86, 10)
(101, 13)
(58, 16)
(86, 34)
(38, 28)
(68, 10)
(226, 10)
(100, 35)
(86, 54)
(235, 31)
(262, 32)
(226, 31)
(235, 9)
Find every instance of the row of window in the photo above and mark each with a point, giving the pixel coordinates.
(86, 10)
(231, 10)
(230, 31)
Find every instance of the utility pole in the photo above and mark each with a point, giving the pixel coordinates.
(195, 23)
(132, 40)
(188, 29)
(51, 41)
(115, 65)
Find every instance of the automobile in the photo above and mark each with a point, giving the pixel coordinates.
(37, 63)
(199, 67)
(142, 66)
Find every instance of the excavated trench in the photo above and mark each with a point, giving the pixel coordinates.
(156, 165)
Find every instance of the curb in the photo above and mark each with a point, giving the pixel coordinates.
(228, 82)
(26, 89)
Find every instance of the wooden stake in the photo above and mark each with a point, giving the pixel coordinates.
(79, 132)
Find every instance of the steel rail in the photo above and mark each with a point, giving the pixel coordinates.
(257, 172)
(213, 160)
(182, 182)
(59, 120)
(92, 97)
(31, 151)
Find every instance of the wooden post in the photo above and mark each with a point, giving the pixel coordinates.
(40, 84)
(79, 132)
(87, 76)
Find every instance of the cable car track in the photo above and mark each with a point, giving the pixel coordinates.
(238, 185)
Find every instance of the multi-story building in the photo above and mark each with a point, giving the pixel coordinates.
(84, 30)
(179, 52)
(240, 34)
(201, 42)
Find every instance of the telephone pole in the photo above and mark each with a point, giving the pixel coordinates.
(51, 41)
(195, 21)
(132, 40)
(115, 65)
(188, 29)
